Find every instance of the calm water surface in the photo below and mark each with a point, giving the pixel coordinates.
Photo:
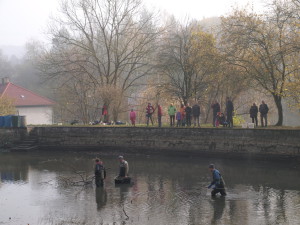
(166, 190)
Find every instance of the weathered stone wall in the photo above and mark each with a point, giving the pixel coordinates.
(225, 142)
(11, 136)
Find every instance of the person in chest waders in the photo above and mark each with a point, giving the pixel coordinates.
(124, 167)
(217, 184)
(100, 173)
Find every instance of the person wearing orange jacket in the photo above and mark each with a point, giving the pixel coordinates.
(183, 114)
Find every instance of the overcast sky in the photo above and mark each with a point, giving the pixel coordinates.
(22, 20)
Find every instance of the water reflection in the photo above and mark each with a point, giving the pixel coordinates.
(218, 209)
(165, 191)
(101, 198)
(13, 169)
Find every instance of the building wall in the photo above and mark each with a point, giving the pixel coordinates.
(37, 115)
(207, 141)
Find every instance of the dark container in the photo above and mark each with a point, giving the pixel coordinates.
(7, 121)
(15, 121)
(122, 180)
(22, 121)
(2, 119)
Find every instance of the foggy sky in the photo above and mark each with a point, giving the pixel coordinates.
(22, 20)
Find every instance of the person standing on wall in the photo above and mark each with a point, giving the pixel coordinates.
(196, 114)
(253, 114)
(100, 173)
(159, 115)
(182, 112)
(104, 114)
(218, 183)
(188, 115)
(149, 112)
(216, 109)
(172, 112)
(264, 109)
(178, 118)
(132, 117)
(229, 112)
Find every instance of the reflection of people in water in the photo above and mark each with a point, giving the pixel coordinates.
(218, 183)
(124, 167)
(101, 198)
(124, 191)
(100, 173)
(219, 206)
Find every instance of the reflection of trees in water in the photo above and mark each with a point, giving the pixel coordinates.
(275, 205)
(170, 190)
(13, 168)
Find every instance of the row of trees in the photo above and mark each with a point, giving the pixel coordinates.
(116, 53)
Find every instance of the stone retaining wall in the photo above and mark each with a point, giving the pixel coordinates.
(225, 142)
(11, 136)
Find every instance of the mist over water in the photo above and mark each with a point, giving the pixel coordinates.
(166, 190)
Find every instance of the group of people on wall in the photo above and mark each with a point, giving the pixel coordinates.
(181, 117)
(186, 114)
(263, 110)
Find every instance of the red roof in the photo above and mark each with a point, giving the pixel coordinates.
(22, 96)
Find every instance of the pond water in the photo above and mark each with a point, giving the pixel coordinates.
(166, 190)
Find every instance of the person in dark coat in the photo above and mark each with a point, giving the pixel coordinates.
(159, 115)
(149, 111)
(229, 112)
(124, 167)
(216, 109)
(100, 173)
(264, 109)
(253, 114)
(196, 114)
(188, 115)
(218, 183)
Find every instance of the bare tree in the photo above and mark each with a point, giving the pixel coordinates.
(188, 59)
(109, 43)
(262, 46)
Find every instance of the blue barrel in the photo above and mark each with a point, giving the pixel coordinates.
(2, 121)
(8, 121)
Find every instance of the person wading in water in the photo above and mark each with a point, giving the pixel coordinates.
(100, 173)
(124, 167)
(218, 183)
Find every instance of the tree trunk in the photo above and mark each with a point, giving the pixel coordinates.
(278, 103)
(115, 115)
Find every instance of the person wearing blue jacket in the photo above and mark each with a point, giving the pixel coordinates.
(217, 184)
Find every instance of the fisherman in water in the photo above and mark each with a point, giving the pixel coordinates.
(124, 167)
(100, 173)
(218, 183)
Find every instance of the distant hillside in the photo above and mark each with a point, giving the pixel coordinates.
(210, 23)
(11, 50)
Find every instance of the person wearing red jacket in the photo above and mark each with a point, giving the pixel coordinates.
(104, 114)
(159, 115)
(132, 116)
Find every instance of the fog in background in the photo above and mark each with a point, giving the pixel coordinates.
(24, 21)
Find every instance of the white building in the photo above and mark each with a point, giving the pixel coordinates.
(37, 109)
